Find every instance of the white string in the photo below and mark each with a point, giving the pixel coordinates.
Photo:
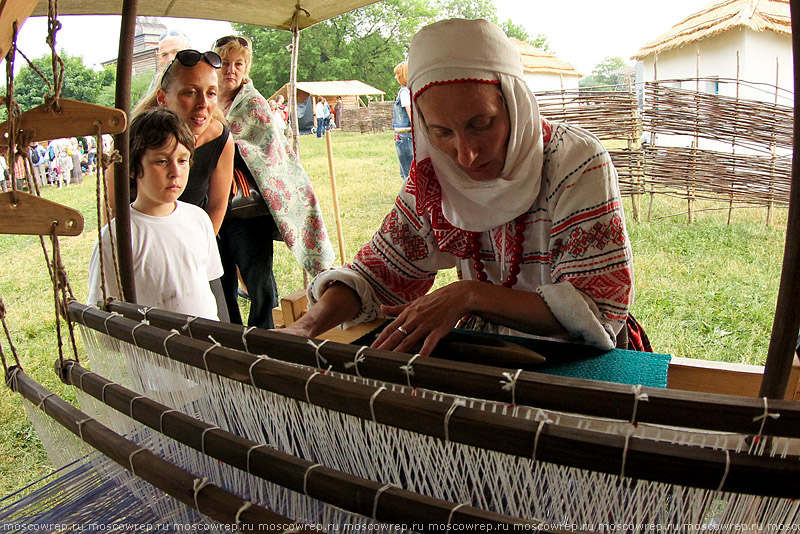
(144, 311)
(11, 380)
(511, 384)
(83, 315)
(543, 419)
(452, 511)
(105, 322)
(456, 403)
(133, 332)
(377, 496)
(80, 378)
(188, 325)
(161, 419)
(315, 373)
(637, 396)
(173, 333)
(250, 369)
(130, 460)
(80, 425)
(319, 356)
(358, 358)
(203, 438)
(130, 405)
(408, 369)
(244, 337)
(763, 417)
(209, 349)
(103, 392)
(245, 506)
(41, 402)
(305, 478)
(628, 432)
(727, 468)
(251, 449)
(372, 402)
(198, 487)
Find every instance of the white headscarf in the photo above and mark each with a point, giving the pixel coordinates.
(477, 50)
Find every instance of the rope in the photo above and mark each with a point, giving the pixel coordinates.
(358, 358)
(763, 417)
(209, 349)
(372, 402)
(305, 478)
(244, 338)
(319, 356)
(198, 485)
(378, 496)
(8, 337)
(543, 419)
(456, 403)
(511, 385)
(637, 396)
(408, 369)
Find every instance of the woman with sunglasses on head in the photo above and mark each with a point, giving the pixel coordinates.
(266, 163)
(189, 88)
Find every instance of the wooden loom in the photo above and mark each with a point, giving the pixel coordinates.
(442, 417)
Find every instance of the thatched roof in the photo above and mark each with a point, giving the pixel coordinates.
(720, 16)
(536, 60)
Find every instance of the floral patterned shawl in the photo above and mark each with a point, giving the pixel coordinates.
(281, 179)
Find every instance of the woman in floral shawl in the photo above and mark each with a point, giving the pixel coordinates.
(264, 155)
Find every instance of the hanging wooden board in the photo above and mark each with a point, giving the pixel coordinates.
(26, 214)
(76, 118)
(11, 11)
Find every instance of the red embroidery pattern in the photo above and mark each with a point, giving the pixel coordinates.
(597, 237)
(422, 183)
(613, 287)
(412, 244)
(389, 283)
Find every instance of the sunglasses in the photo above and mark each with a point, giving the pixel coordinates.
(171, 33)
(190, 58)
(222, 41)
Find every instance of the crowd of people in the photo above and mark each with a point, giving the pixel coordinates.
(527, 210)
(59, 162)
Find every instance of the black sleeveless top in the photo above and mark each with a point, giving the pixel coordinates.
(203, 165)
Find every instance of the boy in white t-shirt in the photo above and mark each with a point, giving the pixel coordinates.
(174, 249)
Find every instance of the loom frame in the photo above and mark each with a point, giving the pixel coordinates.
(583, 449)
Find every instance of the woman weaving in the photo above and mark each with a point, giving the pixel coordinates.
(528, 211)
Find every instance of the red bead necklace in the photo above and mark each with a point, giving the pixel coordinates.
(516, 254)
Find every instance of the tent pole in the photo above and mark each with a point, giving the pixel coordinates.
(787, 316)
(121, 184)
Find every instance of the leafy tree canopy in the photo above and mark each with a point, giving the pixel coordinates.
(80, 82)
(364, 44)
(603, 76)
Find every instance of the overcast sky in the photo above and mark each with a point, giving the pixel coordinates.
(581, 32)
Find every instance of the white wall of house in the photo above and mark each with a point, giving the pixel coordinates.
(758, 54)
(550, 82)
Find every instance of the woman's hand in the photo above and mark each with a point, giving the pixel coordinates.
(423, 322)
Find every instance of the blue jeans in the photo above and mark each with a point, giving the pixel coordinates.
(320, 127)
(247, 244)
(405, 153)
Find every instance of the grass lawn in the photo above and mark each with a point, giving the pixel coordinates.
(705, 290)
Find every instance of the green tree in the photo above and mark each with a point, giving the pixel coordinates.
(466, 9)
(519, 32)
(80, 82)
(364, 44)
(603, 76)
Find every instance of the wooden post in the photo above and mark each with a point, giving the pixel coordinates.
(335, 193)
(787, 314)
(771, 204)
(733, 140)
(122, 190)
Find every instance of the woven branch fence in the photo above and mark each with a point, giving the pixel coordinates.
(760, 177)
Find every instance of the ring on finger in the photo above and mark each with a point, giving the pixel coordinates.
(402, 330)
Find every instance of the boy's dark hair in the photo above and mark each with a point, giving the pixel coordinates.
(152, 129)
